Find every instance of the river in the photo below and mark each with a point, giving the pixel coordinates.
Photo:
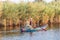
(52, 33)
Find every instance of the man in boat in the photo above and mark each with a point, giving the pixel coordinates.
(28, 26)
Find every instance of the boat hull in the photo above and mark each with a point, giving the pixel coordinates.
(35, 29)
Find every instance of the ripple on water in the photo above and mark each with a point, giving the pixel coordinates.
(52, 34)
(42, 35)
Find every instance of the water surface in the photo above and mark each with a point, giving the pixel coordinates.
(53, 33)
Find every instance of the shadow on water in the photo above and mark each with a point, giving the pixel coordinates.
(52, 33)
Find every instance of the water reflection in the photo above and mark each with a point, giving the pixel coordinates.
(52, 33)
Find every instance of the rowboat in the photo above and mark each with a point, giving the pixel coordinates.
(35, 29)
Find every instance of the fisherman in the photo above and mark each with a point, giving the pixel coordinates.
(28, 26)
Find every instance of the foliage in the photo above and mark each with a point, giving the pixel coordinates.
(35, 10)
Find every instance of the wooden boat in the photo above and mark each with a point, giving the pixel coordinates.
(35, 29)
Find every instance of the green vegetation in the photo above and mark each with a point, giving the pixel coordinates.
(38, 11)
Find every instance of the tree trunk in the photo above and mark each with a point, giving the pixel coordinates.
(11, 22)
(17, 24)
(4, 22)
(59, 18)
